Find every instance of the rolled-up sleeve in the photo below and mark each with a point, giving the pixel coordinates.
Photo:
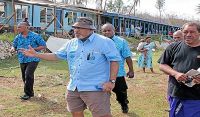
(40, 41)
(111, 51)
(62, 52)
(126, 50)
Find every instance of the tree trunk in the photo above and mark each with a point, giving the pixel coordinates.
(105, 5)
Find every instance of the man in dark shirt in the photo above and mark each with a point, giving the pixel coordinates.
(176, 61)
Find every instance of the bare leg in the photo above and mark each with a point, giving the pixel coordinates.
(144, 69)
(78, 114)
(152, 70)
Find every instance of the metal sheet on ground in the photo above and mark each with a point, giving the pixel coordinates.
(54, 43)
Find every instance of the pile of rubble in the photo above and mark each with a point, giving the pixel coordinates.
(5, 49)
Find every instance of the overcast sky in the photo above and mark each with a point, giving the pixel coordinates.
(181, 8)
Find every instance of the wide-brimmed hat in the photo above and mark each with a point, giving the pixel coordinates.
(84, 22)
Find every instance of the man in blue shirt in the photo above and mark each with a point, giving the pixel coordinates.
(28, 64)
(93, 66)
(120, 89)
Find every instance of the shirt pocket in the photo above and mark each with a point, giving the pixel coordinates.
(94, 57)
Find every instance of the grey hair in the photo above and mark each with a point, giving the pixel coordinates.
(24, 24)
(192, 24)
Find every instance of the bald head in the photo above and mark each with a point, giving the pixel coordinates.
(23, 24)
(22, 27)
(178, 35)
(108, 30)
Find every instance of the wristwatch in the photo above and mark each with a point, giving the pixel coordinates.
(112, 81)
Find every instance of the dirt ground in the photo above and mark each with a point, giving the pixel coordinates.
(49, 100)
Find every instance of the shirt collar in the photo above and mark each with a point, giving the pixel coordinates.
(113, 37)
(20, 34)
(89, 38)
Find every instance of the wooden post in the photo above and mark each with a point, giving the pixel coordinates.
(62, 18)
(55, 28)
(9, 18)
(15, 18)
(99, 23)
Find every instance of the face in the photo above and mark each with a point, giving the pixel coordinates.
(81, 33)
(22, 28)
(191, 35)
(148, 40)
(177, 36)
(108, 31)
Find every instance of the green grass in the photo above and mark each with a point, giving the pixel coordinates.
(146, 93)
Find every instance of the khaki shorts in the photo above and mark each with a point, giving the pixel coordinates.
(98, 102)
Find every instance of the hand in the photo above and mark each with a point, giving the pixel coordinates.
(108, 86)
(196, 79)
(130, 74)
(181, 77)
(30, 52)
(12, 49)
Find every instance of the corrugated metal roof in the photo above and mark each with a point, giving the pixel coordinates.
(38, 2)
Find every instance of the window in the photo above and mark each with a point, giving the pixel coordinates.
(72, 16)
(45, 15)
(24, 12)
(42, 15)
(49, 15)
(83, 14)
(21, 12)
(2, 9)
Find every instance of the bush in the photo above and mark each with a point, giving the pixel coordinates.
(7, 37)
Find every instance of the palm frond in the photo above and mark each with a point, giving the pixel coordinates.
(198, 9)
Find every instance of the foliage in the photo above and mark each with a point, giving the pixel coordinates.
(115, 6)
(135, 3)
(7, 37)
(198, 9)
(159, 5)
(118, 5)
(110, 6)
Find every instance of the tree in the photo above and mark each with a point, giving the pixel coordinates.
(135, 3)
(159, 5)
(110, 6)
(115, 6)
(198, 9)
(118, 5)
(99, 4)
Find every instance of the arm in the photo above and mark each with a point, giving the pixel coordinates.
(108, 86)
(40, 48)
(168, 70)
(40, 42)
(129, 62)
(114, 66)
(32, 53)
(142, 50)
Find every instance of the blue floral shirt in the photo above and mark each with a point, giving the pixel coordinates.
(89, 62)
(32, 39)
(124, 51)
